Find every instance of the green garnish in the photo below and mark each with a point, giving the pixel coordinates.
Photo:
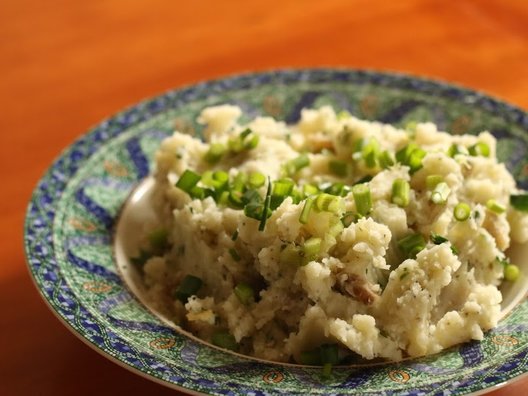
(338, 168)
(245, 293)
(311, 248)
(307, 208)
(188, 287)
(400, 192)
(224, 339)
(412, 244)
(362, 198)
(327, 203)
(159, 239)
(495, 207)
(456, 149)
(234, 254)
(519, 202)
(266, 208)
(386, 159)
(440, 193)
(256, 180)
(431, 181)
(188, 180)
(462, 211)
(215, 153)
(480, 148)
(296, 164)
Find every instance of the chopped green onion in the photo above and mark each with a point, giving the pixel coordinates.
(217, 179)
(462, 211)
(335, 229)
(311, 248)
(438, 239)
(431, 181)
(197, 192)
(495, 207)
(411, 126)
(310, 189)
(158, 239)
(282, 188)
(245, 293)
(511, 272)
(370, 153)
(385, 159)
(328, 203)
(266, 208)
(256, 180)
(254, 210)
(246, 140)
(338, 189)
(348, 218)
(403, 154)
(234, 237)
(338, 168)
(239, 182)
(411, 245)
(291, 255)
(188, 180)
(189, 286)
(224, 340)
(415, 159)
(234, 254)
(296, 164)
(456, 149)
(362, 197)
(519, 202)
(364, 179)
(400, 192)
(440, 193)
(235, 199)
(215, 153)
(307, 208)
(480, 148)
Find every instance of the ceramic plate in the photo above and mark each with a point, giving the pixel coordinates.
(74, 208)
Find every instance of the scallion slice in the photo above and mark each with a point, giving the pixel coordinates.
(311, 248)
(440, 193)
(224, 339)
(412, 244)
(189, 286)
(327, 203)
(438, 239)
(480, 149)
(386, 159)
(296, 164)
(215, 153)
(431, 181)
(362, 198)
(307, 208)
(159, 239)
(370, 153)
(266, 208)
(188, 180)
(495, 207)
(338, 168)
(245, 293)
(256, 180)
(456, 149)
(400, 192)
(519, 202)
(461, 211)
(234, 254)
(310, 189)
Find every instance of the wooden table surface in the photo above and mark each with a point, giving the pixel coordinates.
(65, 65)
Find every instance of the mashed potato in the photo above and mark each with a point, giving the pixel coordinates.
(330, 240)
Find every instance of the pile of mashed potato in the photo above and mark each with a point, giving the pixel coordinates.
(268, 246)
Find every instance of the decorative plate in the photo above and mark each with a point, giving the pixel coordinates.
(74, 208)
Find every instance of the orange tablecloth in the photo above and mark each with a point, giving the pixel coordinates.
(64, 65)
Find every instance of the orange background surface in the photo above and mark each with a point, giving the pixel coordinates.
(65, 65)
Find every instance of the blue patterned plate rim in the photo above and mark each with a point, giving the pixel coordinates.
(40, 215)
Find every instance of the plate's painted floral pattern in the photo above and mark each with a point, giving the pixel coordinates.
(73, 210)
